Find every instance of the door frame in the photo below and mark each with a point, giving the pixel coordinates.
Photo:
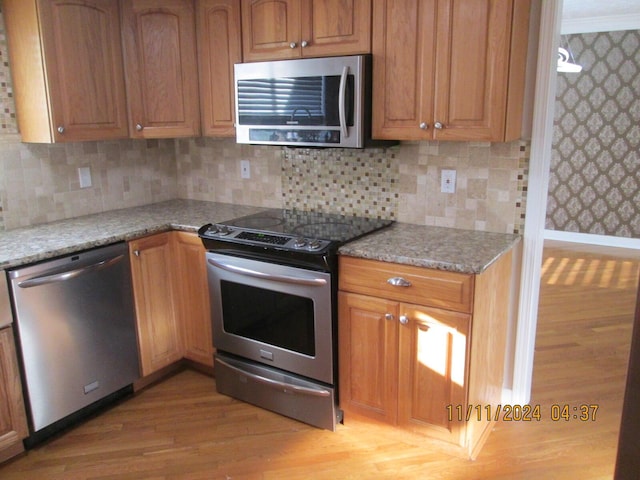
(537, 190)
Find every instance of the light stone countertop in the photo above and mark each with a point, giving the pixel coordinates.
(451, 249)
(442, 248)
(31, 244)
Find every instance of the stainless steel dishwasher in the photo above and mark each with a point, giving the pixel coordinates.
(76, 330)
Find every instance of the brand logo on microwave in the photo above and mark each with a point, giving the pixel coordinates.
(292, 122)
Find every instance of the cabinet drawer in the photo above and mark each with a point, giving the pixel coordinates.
(450, 290)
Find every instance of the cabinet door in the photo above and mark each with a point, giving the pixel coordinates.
(152, 274)
(335, 27)
(403, 48)
(219, 48)
(270, 29)
(433, 356)
(449, 70)
(161, 68)
(66, 60)
(472, 69)
(13, 420)
(368, 356)
(194, 312)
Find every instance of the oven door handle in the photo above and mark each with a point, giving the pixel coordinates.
(285, 387)
(314, 282)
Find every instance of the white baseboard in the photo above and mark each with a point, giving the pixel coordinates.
(591, 239)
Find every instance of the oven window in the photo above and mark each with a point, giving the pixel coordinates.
(271, 317)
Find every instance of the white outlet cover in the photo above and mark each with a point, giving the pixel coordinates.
(448, 181)
(84, 175)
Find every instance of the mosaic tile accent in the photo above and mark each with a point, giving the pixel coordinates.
(8, 122)
(594, 184)
(343, 181)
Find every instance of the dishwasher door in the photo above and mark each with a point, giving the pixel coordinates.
(76, 329)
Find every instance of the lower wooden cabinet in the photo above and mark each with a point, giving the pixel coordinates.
(172, 300)
(13, 420)
(408, 363)
(159, 336)
(194, 312)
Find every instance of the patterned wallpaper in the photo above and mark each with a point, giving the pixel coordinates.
(594, 184)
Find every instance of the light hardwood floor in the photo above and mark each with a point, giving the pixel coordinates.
(182, 429)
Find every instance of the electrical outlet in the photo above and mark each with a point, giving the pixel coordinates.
(84, 175)
(448, 181)
(245, 169)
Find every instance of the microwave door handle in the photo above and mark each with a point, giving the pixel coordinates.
(314, 282)
(341, 98)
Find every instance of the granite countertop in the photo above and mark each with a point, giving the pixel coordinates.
(31, 244)
(450, 249)
(455, 250)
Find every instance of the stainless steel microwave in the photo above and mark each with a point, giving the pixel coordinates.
(318, 102)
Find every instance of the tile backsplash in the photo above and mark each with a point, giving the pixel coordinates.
(39, 183)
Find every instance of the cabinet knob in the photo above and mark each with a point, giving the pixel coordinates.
(404, 319)
(136, 253)
(61, 129)
(304, 43)
(388, 316)
(438, 125)
(293, 45)
(424, 126)
(399, 282)
(139, 127)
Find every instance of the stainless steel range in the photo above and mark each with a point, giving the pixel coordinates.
(273, 286)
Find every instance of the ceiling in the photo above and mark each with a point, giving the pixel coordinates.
(580, 16)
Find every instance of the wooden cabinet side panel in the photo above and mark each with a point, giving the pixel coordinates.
(83, 55)
(434, 347)
(488, 342)
(268, 28)
(368, 356)
(13, 420)
(336, 27)
(161, 68)
(219, 48)
(27, 70)
(194, 313)
(517, 69)
(158, 333)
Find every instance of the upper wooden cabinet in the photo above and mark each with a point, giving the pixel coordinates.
(161, 68)
(219, 48)
(66, 62)
(282, 29)
(449, 70)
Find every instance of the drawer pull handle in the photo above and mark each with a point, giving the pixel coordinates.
(399, 282)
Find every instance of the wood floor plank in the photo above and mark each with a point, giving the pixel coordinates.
(181, 429)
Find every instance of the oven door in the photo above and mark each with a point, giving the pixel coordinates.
(273, 314)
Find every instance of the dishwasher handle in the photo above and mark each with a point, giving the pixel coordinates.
(68, 275)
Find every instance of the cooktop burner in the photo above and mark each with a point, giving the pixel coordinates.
(293, 229)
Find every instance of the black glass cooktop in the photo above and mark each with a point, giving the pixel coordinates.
(318, 225)
(293, 229)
